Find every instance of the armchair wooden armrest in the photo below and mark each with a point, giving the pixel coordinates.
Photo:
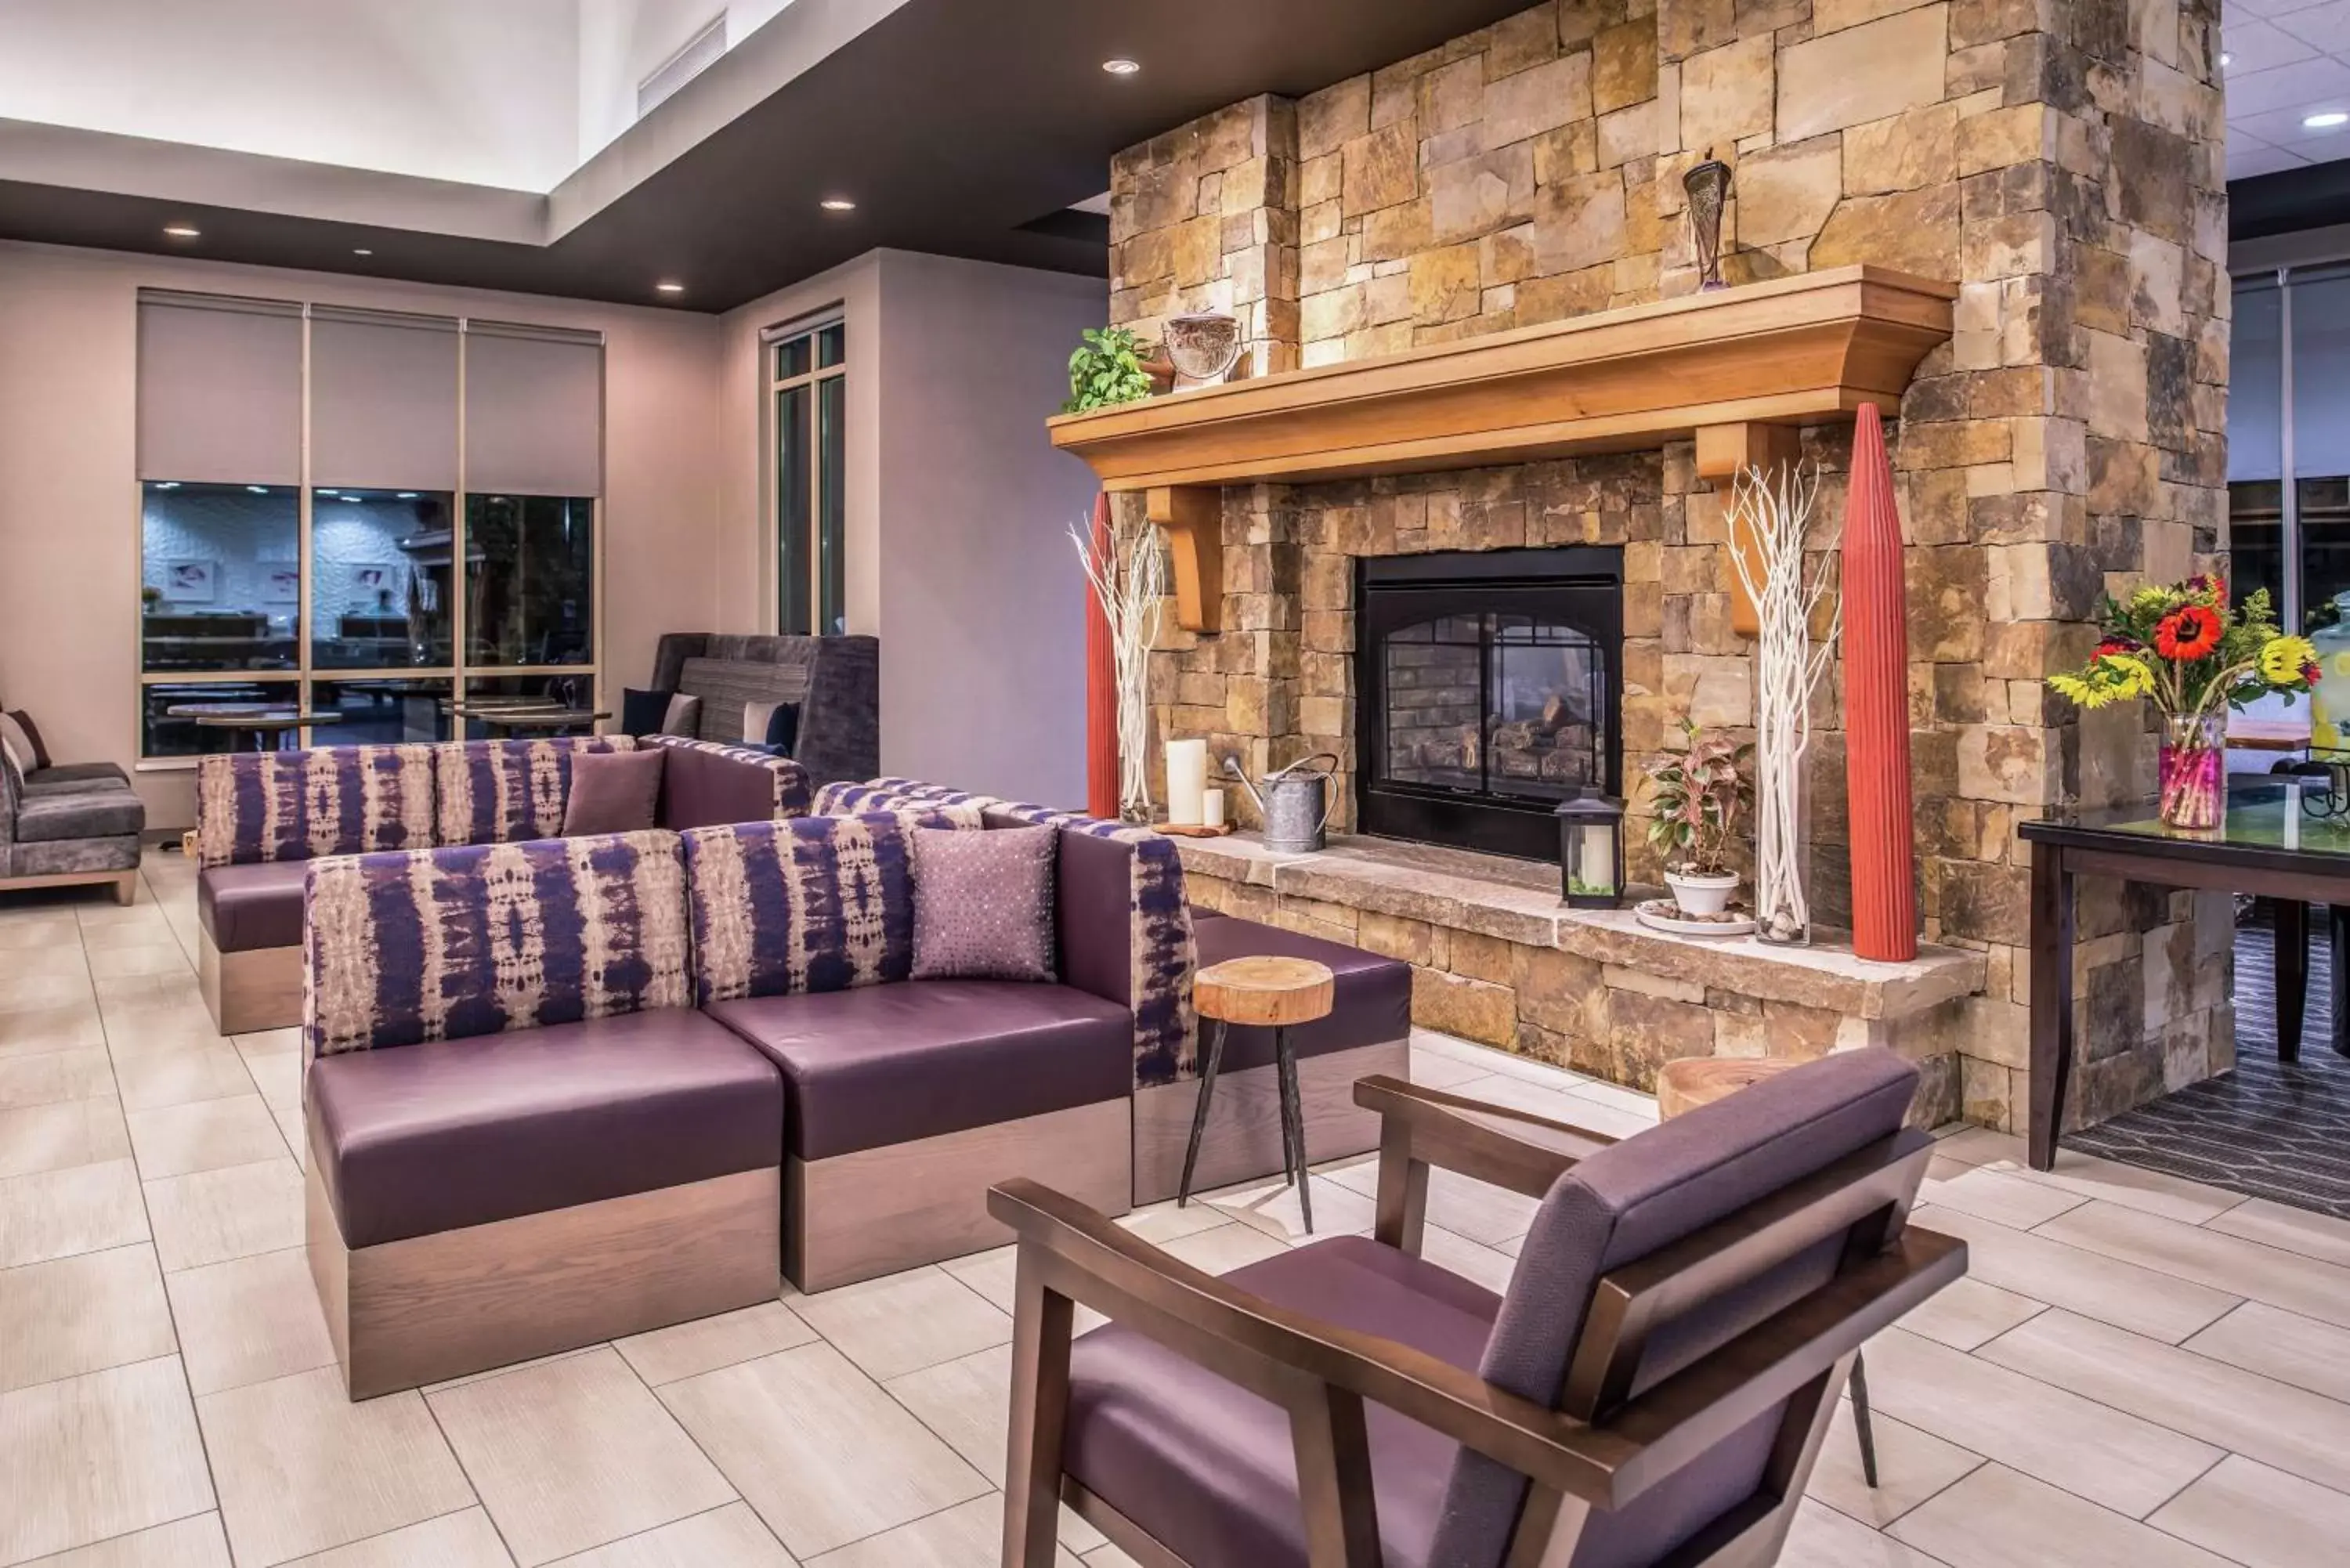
(1419, 1128)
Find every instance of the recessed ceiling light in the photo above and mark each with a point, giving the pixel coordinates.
(837, 204)
(182, 231)
(2326, 120)
(331, 495)
(2225, 58)
(258, 489)
(169, 484)
(407, 495)
(361, 251)
(1121, 67)
(670, 288)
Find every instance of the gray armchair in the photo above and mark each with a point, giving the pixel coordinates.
(69, 826)
(1654, 1388)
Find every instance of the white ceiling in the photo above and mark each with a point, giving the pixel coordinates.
(2287, 59)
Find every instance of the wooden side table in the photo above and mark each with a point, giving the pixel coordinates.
(1694, 1081)
(1269, 992)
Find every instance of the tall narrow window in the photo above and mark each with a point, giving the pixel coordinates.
(808, 387)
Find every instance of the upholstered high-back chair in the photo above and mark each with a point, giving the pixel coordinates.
(1653, 1388)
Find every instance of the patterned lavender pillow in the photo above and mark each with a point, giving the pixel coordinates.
(983, 903)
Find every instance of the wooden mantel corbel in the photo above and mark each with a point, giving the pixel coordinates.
(1193, 516)
(1723, 453)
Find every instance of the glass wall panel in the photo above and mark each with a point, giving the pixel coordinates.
(381, 712)
(2255, 440)
(832, 460)
(809, 404)
(220, 576)
(567, 694)
(164, 733)
(795, 476)
(379, 580)
(530, 570)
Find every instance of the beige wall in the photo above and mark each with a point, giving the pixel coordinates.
(69, 543)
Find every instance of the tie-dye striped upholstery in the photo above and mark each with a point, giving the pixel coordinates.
(328, 799)
(502, 792)
(441, 944)
(816, 903)
(794, 793)
(1163, 955)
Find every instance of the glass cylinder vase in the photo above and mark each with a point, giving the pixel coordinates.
(2192, 765)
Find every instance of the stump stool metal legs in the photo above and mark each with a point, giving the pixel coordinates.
(1271, 993)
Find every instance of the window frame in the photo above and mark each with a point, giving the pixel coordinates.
(823, 574)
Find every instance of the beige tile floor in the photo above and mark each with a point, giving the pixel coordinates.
(2137, 1370)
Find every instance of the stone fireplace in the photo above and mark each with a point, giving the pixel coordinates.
(2059, 165)
(1489, 687)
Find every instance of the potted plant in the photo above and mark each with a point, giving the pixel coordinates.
(2193, 655)
(1107, 369)
(1702, 792)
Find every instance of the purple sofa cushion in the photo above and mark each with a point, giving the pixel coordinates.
(613, 791)
(1371, 1003)
(247, 907)
(887, 1063)
(439, 1137)
(1206, 1466)
(983, 903)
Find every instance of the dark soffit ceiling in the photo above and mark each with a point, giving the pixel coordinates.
(956, 125)
(2289, 200)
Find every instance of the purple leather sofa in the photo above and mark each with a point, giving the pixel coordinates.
(261, 818)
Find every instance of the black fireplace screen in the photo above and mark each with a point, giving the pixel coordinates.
(1491, 692)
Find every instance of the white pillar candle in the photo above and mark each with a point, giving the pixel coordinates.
(1187, 781)
(1599, 859)
(2293, 814)
(1212, 808)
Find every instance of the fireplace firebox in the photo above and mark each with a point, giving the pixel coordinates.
(1490, 685)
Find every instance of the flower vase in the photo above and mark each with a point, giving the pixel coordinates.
(2192, 765)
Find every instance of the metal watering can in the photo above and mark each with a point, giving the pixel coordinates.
(1295, 801)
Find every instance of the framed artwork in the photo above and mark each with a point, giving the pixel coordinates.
(191, 582)
(371, 579)
(283, 586)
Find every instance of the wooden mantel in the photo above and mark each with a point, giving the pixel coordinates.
(1723, 369)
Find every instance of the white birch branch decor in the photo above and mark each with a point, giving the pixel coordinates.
(1772, 512)
(1129, 594)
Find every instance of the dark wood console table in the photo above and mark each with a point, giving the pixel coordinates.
(2254, 850)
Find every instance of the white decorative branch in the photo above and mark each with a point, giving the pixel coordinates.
(1130, 602)
(1773, 515)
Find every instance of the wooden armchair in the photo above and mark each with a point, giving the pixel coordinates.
(1653, 1389)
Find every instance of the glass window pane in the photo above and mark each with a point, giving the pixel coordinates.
(832, 345)
(2255, 442)
(530, 562)
(792, 510)
(792, 358)
(832, 407)
(378, 579)
(535, 705)
(221, 578)
(164, 732)
(381, 712)
(2320, 442)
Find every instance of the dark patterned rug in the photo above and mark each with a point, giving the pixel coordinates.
(2269, 1129)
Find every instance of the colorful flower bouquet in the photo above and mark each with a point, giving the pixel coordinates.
(2185, 648)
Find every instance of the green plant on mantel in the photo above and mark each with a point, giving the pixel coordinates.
(1702, 791)
(1107, 370)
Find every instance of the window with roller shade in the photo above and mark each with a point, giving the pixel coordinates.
(439, 517)
(807, 389)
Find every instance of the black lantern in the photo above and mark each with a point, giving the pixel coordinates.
(1591, 849)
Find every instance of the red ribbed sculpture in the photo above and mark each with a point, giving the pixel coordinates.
(1101, 686)
(1877, 706)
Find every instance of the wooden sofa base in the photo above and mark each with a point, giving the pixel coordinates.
(249, 992)
(124, 883)
(418, 1311)
(1242, 1138)
(859, 1216)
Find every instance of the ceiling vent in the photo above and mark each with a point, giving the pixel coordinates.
(700, 52)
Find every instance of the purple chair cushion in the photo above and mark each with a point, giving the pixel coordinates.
(1371, 1001)
(250, 906)
(1206, 1466)
(613, 791)
(887, 1063)
(1625, 1202)
(438, 1136)
(983, 903)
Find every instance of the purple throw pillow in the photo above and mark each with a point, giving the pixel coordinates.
(983, 903)
(613, 792)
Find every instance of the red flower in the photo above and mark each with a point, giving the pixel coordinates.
(2310, 672)
(2188, 632)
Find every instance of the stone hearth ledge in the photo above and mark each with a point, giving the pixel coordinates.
(1646, 996)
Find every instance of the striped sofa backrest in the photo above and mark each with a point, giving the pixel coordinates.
(326, 800)
(443, 944)
(502, 792)
(815, 903)
(1160, 956)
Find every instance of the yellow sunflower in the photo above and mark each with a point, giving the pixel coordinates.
(2282, 660)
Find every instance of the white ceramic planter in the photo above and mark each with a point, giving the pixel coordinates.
(1702, 895)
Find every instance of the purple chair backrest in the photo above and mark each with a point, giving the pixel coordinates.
(327, 800)
(1625, 1204)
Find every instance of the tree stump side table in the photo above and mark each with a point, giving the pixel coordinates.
(1269, 993)
(1683, 1086)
